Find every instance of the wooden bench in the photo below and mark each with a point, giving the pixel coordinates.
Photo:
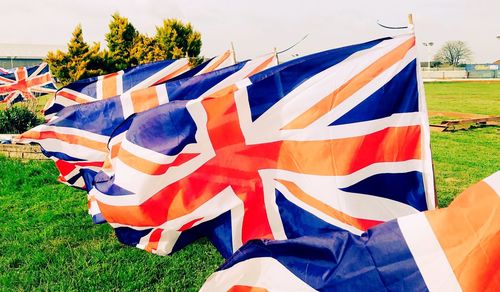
(450, 125)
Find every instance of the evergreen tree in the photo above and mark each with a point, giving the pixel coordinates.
(81, 60)
(178, 39)
(120, 40)
(146, 50)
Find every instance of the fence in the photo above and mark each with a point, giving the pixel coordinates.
(445, 74)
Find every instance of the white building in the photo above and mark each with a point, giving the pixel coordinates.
(16, 55)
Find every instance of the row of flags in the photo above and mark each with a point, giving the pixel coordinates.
(314, 154)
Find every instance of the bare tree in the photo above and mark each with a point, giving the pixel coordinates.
(454, 53)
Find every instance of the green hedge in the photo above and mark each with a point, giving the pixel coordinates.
(17, 119)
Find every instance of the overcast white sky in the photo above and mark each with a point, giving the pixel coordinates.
(256, 26)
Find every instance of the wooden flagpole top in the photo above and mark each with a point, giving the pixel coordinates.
(410, 19)
(234, 53)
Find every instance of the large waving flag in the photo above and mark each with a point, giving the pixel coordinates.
(451, 249)
(185, 89)
(25, 83)
(77, 139)
(113, 84)
(336, 138)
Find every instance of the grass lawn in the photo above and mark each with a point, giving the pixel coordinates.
(47, 240)
(464, 97)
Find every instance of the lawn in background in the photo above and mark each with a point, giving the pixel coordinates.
(47, 240)
(464, 97)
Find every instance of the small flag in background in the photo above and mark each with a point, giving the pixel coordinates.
(25, 83)
(338, 138)
(451, 249)
(4, 71)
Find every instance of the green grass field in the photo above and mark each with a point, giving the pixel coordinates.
(47, 240)
(464, 97)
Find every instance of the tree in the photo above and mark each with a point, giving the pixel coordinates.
(454, 53)
(81, 60)
(145, 50)
(120, 39)
(178, 39)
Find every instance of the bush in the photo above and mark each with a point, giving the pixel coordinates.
(17, 120)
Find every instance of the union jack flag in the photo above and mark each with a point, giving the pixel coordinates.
(113, 84)
(25, 83)
(336, 138)
(77, 138)
(419, 252)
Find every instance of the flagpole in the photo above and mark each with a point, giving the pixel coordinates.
(411, 27)
(234, 53)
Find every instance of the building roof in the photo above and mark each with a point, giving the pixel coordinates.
(27, 50)
(497, 62)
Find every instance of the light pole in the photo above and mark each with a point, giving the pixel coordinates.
(428, 46)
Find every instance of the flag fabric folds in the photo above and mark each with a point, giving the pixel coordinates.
(338, 138)
(113, 84)
(450, 249)
(25, 83)
(222, 61)
(132, 79)
(77, 139)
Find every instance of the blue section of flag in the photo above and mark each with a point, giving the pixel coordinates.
(220, 234)
(85, 86)
(106, 183)
(190, 88)
(174, 129)
(59, 155)
(298, 222)
(135, 75)
(99, 117)
(399, 95)
(406, 187)
(130, 236)
(340, 261)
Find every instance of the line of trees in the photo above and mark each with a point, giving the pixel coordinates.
(126, 47)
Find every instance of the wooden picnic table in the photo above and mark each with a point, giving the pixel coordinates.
(447, 124)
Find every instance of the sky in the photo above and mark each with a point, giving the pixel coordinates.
(255, 27)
